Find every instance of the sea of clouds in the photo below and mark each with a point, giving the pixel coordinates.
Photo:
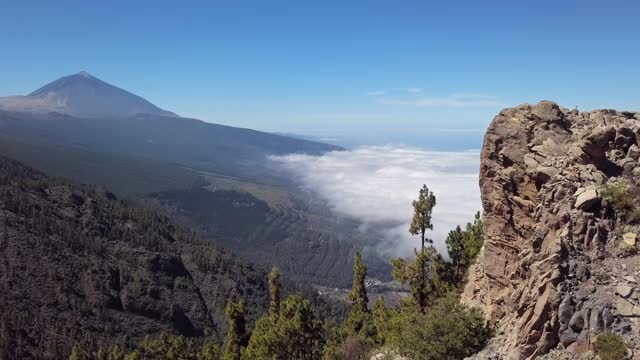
(376, 184)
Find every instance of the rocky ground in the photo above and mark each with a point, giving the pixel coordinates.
(560, 263)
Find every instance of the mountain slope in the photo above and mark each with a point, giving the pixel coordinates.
(82, 95)
(304, 243)
(212, 147)
(78, 265)
(124, 175)
(85, 112)
(146, 153)
(560, 264)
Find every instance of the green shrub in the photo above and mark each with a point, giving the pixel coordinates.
(610, 346)
(617, 195)
(448, 330)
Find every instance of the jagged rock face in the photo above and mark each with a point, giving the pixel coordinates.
(550, 241)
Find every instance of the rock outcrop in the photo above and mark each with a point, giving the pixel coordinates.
(559, 264)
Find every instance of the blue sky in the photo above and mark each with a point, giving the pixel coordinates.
(419, 72)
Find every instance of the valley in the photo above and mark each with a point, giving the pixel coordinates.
(97, 268)
(215, 179)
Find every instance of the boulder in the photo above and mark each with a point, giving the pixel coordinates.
(629, 238)
(544, 173)
(633, 152)
(624, 137)
(565, 311)
(547, 110)
(596, 323)
(608, 318)
(577, 322)
(595, 144)
(624, 290)
(533, 160)
(624, 307)
(549, 148)
(587, 197)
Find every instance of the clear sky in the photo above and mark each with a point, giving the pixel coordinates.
(418, 72)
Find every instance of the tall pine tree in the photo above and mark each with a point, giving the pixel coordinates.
(455, 248)
(422, 209)
(358, 295)
(236, 339)
(359, 323)
(419, 275)
(274, 291)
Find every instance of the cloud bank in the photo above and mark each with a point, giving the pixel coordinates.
(376, 184)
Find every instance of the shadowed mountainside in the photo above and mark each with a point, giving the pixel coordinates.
(79, 265)
(194, 143)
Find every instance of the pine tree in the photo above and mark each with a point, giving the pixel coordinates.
(77, 353)
(274, 291)
(455, 248)
(115, 353)
(297, 335)
(358, 295)
(381, 320)
(464, 245)
(474, 239)
(418, 274)
(210, 349)
(422, 209)
(359, 322)
(236, 339)
(421, 275)
(302, 330)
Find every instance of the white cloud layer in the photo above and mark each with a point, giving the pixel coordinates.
(376, 184)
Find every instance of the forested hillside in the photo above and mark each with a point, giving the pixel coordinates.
(78, 265)
(431, 324)
(268, 224)
(303, 242)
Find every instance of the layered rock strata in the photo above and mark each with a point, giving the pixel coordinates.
(560, 262)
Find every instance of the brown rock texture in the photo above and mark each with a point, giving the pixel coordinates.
(553, 250)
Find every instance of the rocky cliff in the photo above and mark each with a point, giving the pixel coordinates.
(560, 263)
